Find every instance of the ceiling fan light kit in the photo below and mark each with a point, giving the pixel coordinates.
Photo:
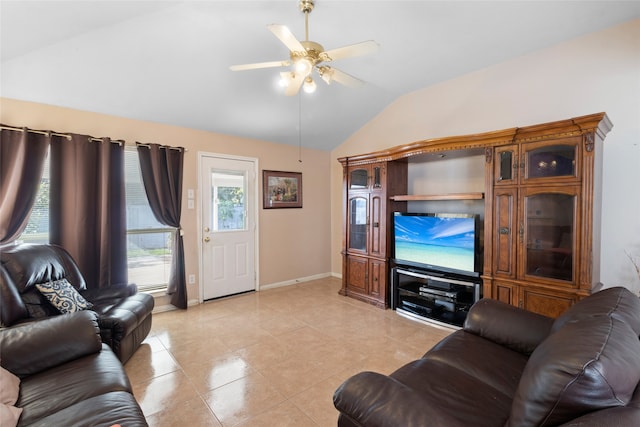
(309, 85)
(307, 55)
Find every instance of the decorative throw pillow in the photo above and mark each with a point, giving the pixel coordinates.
(63, 296)
(10, 387)
(9, 415)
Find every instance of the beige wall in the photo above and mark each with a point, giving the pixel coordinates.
(594, 73)
(293, 243)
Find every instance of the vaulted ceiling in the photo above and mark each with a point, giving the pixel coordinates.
(168, 61)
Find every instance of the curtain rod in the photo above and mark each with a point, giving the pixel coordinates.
(64, 135)
(162, 146)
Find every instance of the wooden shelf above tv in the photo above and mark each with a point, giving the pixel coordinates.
(449, 196)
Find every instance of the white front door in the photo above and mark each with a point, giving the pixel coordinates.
(228, 192)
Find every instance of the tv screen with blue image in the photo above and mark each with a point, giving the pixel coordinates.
(436, 241)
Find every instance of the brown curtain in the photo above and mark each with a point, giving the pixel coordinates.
(22, 156)
(87, 206)
(162, 178)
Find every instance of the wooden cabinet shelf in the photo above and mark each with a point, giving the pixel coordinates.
(450, 196)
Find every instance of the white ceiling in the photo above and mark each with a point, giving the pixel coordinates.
(168, 61)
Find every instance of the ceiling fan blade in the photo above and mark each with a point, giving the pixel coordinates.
(330, 75)
(258, 65)
(293, 82)
(285, 35)
(358, 49)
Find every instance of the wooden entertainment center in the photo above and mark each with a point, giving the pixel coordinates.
(540, 206)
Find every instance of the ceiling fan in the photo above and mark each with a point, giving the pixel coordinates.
(307, 55)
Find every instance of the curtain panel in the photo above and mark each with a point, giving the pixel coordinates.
(161, 169)
(22, 155)
(87, 206)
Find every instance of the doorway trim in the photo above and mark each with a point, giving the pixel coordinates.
(255, 195)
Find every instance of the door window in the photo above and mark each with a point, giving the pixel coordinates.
(228, 189)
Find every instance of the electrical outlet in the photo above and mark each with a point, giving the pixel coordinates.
(192, 279)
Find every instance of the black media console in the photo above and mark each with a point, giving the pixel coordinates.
(433, 296)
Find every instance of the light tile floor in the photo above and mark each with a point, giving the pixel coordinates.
(269, 358)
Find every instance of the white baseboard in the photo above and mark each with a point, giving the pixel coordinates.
(295, 281)
(192, 302)
(171, 307)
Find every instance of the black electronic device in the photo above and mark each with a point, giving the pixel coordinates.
(441, 243)
(443, 298)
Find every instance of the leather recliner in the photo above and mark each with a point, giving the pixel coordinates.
(508, 367)
(124, 315)
(68, 377)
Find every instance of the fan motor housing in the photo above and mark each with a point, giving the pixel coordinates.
(306, 6)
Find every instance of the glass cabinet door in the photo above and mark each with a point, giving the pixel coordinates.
(377, 178)
(366, 177)
(358, 179)
(506, 164)
(548, 232)
(358, 223)
(551, 161)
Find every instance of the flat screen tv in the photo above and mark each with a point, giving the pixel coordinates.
(438, 242)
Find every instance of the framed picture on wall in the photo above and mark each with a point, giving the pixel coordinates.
(281, 189)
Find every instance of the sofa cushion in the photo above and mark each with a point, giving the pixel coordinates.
(12, 309)
(75, 381)
(587, 365)
(63, 296)
(507, 325)
(32, 347)
(37, 305)
(618, 302)
(28, 264)
(476, 356)
(109, 409)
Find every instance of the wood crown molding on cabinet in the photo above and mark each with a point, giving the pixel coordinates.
(598, 123)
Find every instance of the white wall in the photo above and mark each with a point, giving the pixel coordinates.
(594, 73)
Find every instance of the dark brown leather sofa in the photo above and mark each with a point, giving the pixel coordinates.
(509, 367)
(124, 315)
(68, 376)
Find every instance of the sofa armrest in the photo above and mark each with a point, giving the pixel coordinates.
(618, 416)
(372, 399)
(32, 347)
(113, 292)
(509, 326)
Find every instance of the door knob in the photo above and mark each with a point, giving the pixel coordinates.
(206, 229)
(206, 239)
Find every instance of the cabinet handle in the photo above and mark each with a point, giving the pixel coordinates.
(504, 230)
(521, 232)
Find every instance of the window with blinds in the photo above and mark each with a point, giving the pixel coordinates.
(148, 241)
(37, 229)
